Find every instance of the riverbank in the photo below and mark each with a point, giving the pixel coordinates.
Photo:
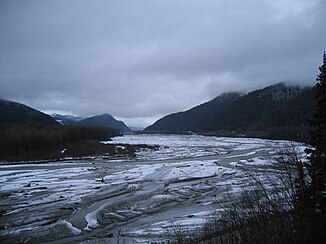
(184, 182)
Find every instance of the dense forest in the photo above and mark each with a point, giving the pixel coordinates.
(36, 141)
(275, 112)
(295, 212)
(28, 134)
(17, 113)
(104, 120)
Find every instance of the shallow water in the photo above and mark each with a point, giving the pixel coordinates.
(183, 183)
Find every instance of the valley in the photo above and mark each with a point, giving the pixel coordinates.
(188, 180)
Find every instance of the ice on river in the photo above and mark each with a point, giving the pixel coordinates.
(183, 146)
(182, 183)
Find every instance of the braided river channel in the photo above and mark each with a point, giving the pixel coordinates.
(185, 182)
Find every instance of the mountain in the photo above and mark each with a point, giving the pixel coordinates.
(104, 120)
(274, 106)
(66, 119)
(135, 129)
(194, 119)
(17, 113)
(277, 112)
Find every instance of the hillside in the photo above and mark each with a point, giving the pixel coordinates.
(104, 120)
(277, 112)
(17, 113)
(194, 119)
(66, 119)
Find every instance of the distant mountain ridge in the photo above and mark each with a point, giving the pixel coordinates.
(194, 118)
(66, 119)
(104, 120)
(17, 113)
(277, 112)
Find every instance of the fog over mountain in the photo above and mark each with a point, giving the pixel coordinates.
(140, 60)
(279, 111)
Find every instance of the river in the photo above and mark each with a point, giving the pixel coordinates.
(184, 183)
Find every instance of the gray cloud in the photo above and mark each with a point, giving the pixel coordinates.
(139, 60)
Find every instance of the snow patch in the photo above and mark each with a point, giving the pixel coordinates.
(75, 231)
(91, 220)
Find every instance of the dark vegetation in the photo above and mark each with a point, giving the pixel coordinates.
(194, 119)
(36, 141)
(94, 148)
(290, 209)
(28, 134)
(263, 213)
(275, 112)
(104, 120)
(16, 113)
(311, 203)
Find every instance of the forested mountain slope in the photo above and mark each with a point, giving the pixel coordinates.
(278, 112)
(17, 113)
(104, 120)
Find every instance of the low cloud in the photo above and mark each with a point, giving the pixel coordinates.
(139, 60)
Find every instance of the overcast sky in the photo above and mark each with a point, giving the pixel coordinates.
(140, 60)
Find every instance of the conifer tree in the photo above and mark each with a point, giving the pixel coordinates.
(311, 206)
(318, 141)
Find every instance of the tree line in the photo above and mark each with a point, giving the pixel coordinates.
(291, 212)
(25, 141)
